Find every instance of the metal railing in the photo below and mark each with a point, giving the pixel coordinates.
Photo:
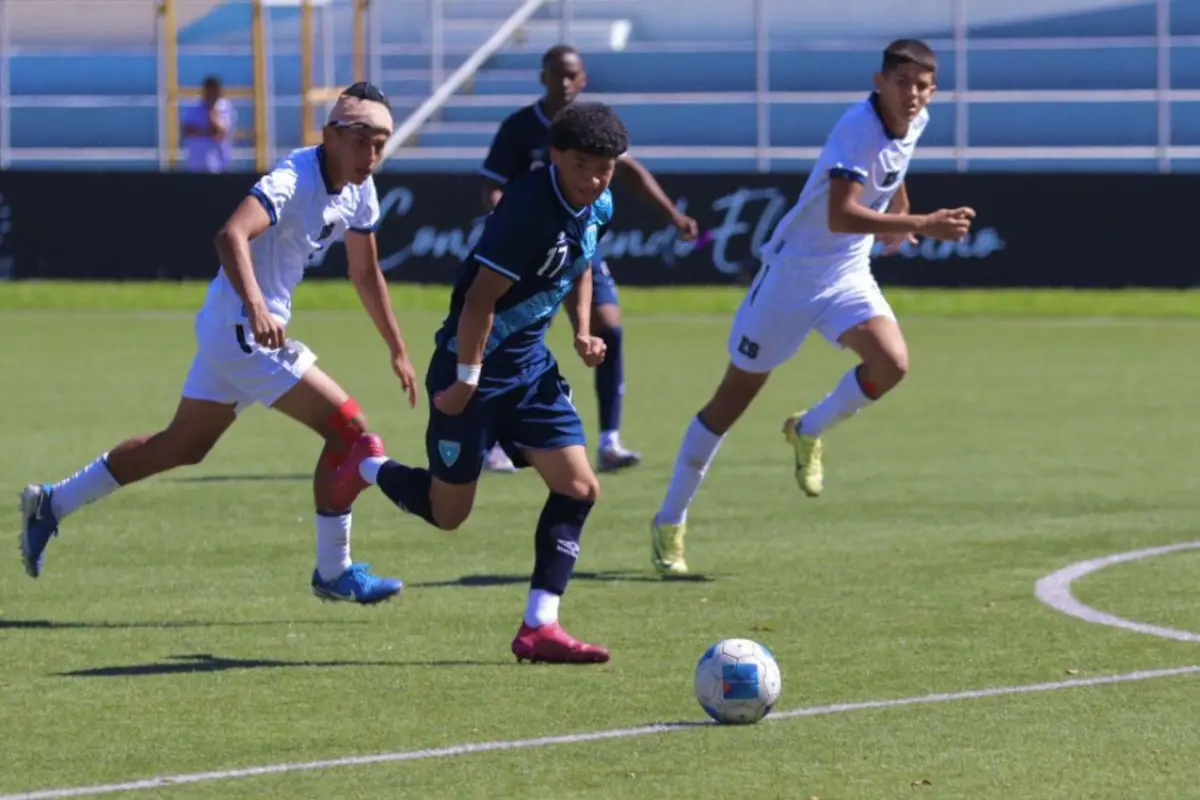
(413, 123)
(960, 98)
(158, 37)
(435, 46)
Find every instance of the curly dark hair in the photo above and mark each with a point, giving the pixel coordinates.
(591, 128)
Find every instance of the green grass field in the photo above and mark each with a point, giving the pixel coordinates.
(173, 631)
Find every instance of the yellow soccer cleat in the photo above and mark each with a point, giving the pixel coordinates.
(666, 548)
(809, 474)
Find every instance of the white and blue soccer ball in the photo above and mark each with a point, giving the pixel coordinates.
(738, 681)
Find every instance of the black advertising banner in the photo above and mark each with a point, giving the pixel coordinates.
(1032, 230)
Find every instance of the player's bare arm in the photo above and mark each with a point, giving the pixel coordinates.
(590, 348)
(900, 205)
(362, 256)
(848, 215)
(249, 220)
(492, 194)
(474, 327)
(632, 171)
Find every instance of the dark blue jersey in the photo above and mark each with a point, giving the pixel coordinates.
(537, 239)
(522, 144)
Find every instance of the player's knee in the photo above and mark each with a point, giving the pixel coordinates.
(888, 369)
(606, 318)
(450, 519)
(581, 487)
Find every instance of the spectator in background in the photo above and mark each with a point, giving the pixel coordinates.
(208, 130)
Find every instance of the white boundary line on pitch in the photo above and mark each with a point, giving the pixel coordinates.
(580, 738)
(1055, 591)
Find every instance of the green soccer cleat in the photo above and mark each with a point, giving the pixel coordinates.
(666, 546)
(809, 474)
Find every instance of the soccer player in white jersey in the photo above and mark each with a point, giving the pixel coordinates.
(312, 198)
(816, 274)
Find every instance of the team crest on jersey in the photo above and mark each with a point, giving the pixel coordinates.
(537, 157)
(448, 451)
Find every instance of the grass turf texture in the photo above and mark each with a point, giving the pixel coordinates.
(1012, 450)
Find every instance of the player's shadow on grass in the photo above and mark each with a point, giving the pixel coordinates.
(298, 476)
(610, 576)
(204, 662)
(54, 625)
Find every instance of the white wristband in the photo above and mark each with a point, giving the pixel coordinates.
(469, 373)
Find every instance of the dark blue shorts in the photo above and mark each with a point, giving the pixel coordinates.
(536, 416)
(604, 288)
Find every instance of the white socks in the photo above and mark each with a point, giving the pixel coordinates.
(369, 468)
(333, 545)
(542, 608)
(846, 400)
(696, 454)
(86, 486)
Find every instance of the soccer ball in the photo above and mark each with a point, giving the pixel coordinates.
(737, 682)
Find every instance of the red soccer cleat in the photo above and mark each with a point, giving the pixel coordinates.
(550, 644)
(347, 483)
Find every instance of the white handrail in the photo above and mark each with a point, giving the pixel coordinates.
(460, 76)
(749, 152)
(942, 98)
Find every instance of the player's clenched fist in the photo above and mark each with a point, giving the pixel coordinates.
(949, 224)
(591, 349)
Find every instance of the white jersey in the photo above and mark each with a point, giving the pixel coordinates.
(307, 216)
(859, 148)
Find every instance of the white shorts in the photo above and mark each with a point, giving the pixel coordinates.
(231, 368)
(782, 307)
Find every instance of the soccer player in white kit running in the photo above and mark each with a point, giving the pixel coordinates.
(816, 274)
(311, 199)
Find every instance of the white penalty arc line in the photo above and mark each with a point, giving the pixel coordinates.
(1055, 591)
(581, 738)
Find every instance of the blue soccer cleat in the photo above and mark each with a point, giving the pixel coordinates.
(38, 524)
(356, 585)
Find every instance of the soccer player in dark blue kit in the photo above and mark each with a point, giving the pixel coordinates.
(521, 145)
(493, 380)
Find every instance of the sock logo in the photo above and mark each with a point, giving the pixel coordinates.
(449, 451)
(568, 548)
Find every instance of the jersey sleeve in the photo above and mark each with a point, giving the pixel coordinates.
(848, 152)
(604, 210)
(367, 217)
(501, 162)
(604, 215)
(508, 245)
(277, 188)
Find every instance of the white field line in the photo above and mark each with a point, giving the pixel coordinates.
(1055, 591)
(167, 781)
